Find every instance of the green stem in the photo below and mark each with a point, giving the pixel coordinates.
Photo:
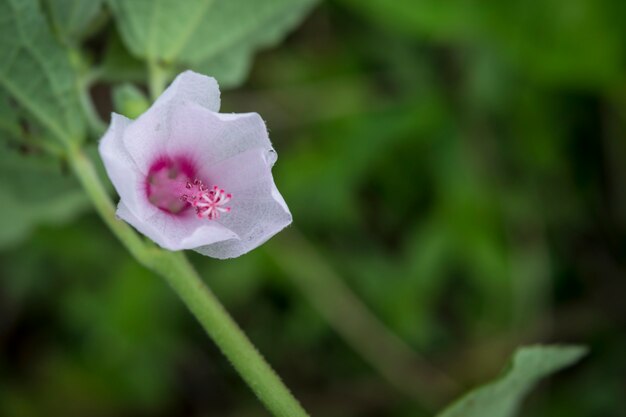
(96, 125)
(157, 79)
(182, 277)
(397, 362)
(88, 177)
(84, 81)
(228, 336)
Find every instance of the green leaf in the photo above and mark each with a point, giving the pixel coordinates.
(118, 64)
(206, 34)
(129, 101)
(502, 397)
(230, 68)
(34, 191)
(9, 119)
(71, 19)
(36, 71)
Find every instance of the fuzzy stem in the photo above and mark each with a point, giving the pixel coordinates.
(88, 177)
(157, 79)
(233, 343)
(96, 125)
(182, 277)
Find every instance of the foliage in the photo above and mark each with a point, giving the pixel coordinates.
(216, 37)
(36, 71)
(501, 398)
(460, 165)
(34, 190)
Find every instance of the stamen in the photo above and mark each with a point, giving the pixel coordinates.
(209, 204)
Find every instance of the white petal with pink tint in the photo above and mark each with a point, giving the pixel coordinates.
(261, 210)
(191, 178)
(154, 130)
(123, 172)
(176, 233)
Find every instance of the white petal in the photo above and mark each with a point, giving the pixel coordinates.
(232, 151)
(209, 137)
(191, 87)
(177, 232)
(122, 171)
(258, 210)
(146, 139)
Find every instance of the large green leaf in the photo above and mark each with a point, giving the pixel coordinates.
(118, 65)
(71, 19)
(36, 71)
(34, 191)
(9, 120)
(502, 397)
(206, 34)
(229, 68)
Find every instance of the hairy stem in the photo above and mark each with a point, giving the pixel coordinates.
(85, 171)
(157, 79)
(96, 125)
(265, 383)
(403, 368)
(182, 277)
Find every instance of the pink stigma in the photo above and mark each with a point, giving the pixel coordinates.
(209, 204)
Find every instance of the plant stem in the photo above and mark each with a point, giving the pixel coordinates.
(157, 79)
(182, 277)
(96, 125)
(84, 81)
(86, 173)
(228, 336)
(397, 362)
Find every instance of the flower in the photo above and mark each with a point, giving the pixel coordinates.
(189, 177)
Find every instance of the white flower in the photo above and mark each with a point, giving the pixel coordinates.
(192, 178)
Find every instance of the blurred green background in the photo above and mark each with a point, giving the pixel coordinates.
(460, 165)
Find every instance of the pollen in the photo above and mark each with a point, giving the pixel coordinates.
(208, 203)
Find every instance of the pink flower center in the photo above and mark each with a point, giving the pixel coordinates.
(172, 186)
(209, 204)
